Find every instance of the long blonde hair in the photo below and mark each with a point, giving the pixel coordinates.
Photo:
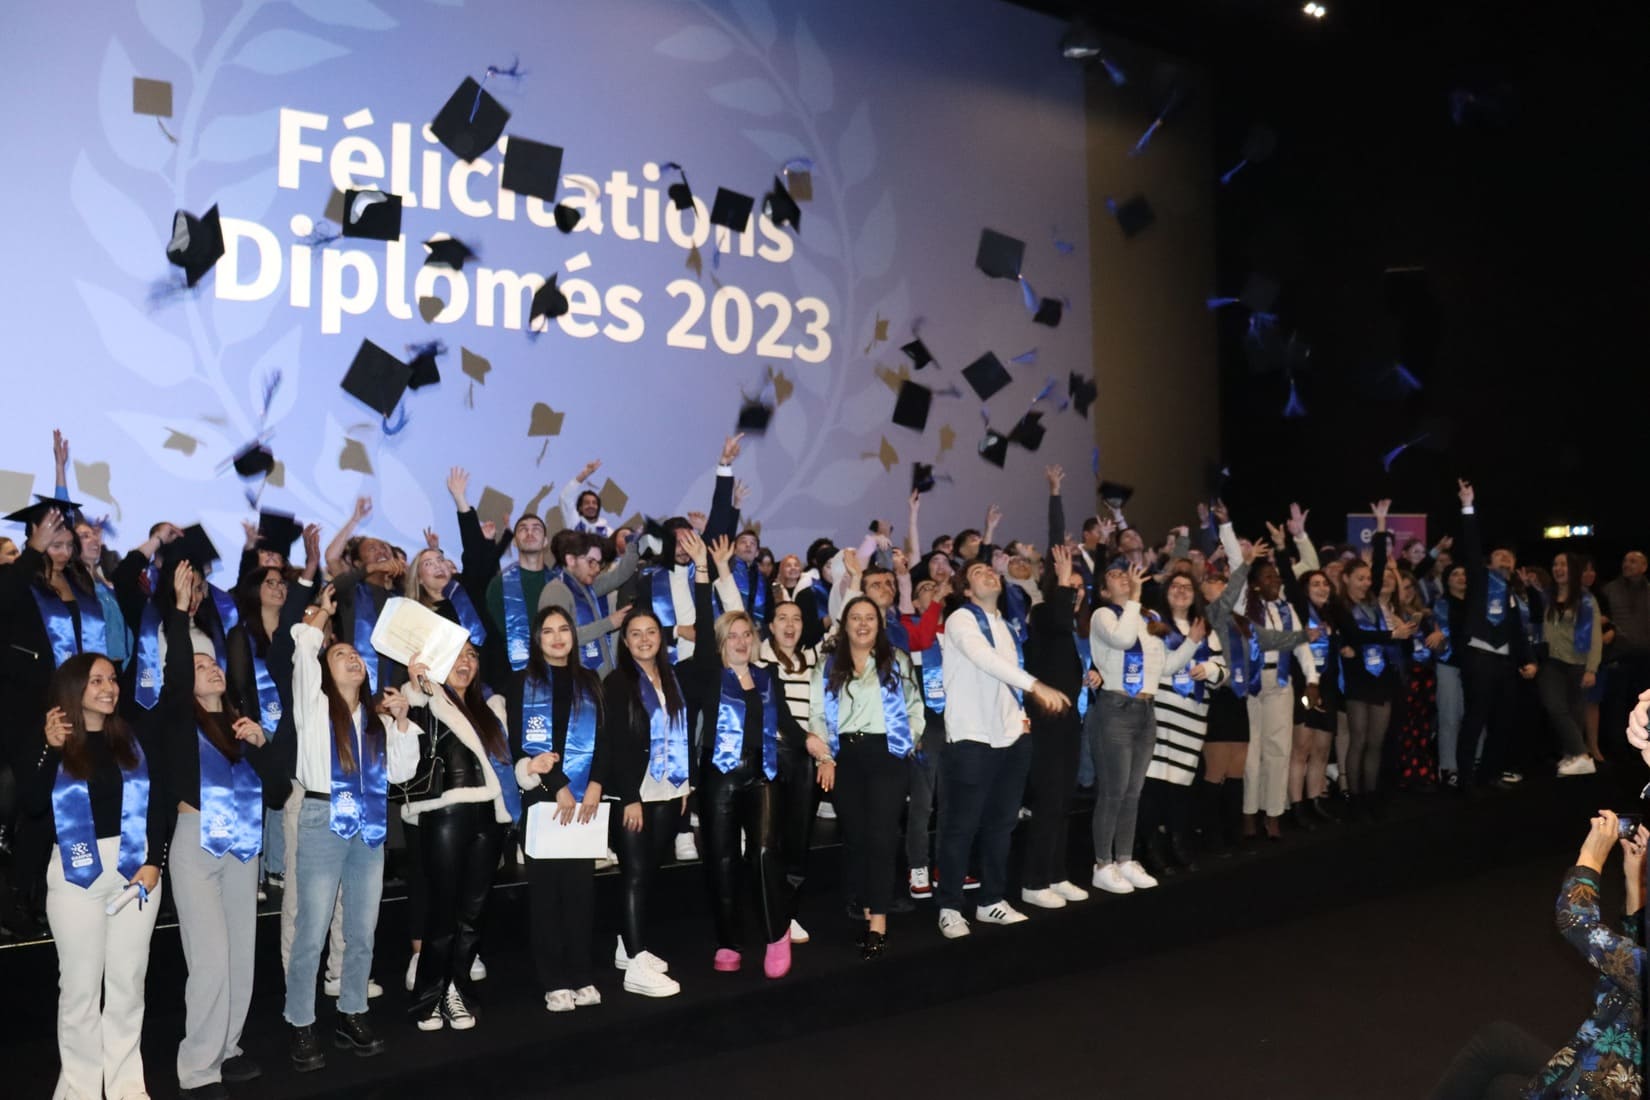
(726, 620)
(412, 588)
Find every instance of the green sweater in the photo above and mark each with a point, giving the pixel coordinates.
(1560, 635)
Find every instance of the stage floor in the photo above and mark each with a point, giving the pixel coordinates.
(1350, 962)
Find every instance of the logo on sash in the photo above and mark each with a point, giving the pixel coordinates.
(346, 803)
(537, 730)
(729, 743)
(220, 826)
(272, 711)
(80, 854)
(518, 649)
(146, 679)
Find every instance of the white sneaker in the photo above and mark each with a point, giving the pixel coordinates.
(412, 973)
(611, 859)
(686, 850)
(920, 886)
(334, 987)
(434, 1021)
(457, 1013)
(1577, 765)
(1512, 777)
(799, 934)
(559, 1000)
(586, 996)
(1109, 877)
(478, 970)
(1001, 913)
(1045, 898)
(1137, 876)
(644, 957)
(826, 812)
(953, 925)
(648, 982)
(1070, 891)
(1024, 814)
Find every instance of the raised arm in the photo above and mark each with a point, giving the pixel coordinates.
(913, 541)
(335, 548)
(1056, 476)
(724, 518)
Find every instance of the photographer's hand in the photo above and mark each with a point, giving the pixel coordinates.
(1595, 850)
(1632, 867)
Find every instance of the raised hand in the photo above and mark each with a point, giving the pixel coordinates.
(60, 453)
(46, 530)
(850, 562)
(57, 727)
(588, 468)
(1056, 474)
(1380, 508)
(730, 448)
(328, 601)
(246, 729)
(741, 493)
(694, 545)
(458, 486)
(363, 509)
(1464, 492)
(183, 585)
(431, 539)
(699, 521)
(1222, 515)
(1297, 519)
(1137, 581)
(312, 545)
(489, 530)
(251, 530)
(916, 501)
(1108, 528)
(1444, 544)
(1062, 563)
(721, 552)
(902, 566)
(1275, 533)
(993, 516)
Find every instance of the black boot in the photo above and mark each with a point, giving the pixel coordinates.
(1231, 813)
(304, 1048)
(1214, 835)
(1301, 819)
(1150, 853)
(1323, 810)
(356, 1034)
(1180, 846)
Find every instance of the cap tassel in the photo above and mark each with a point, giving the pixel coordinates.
(1407, 382)
(1221, 303)
(1118, 76)
(400, 424)
(1025, 358)
(165, 131)
(1260, 322)
(1094, 462)
(1028, 295)
(1392, 456)
(1042, 394)
(272, 386)
(1064, 248)
(1157, 124)
(1226, 177)
(1293, 409)
(513, 73)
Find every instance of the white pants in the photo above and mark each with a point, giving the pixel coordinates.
(289, 894)
(1271, 736)
(101, 965)
(217, 901)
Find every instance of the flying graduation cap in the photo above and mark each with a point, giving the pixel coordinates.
(254, 460)
(681, 195)
(781, 208)
(918, 353)
(372, 215)
(447, 252)
(532, 168)
(923, 477)
(376, 378)
(470, 121)
(986, 376)
(1083, 393)
(277, 531)
(1260, 143)
(32, 515)
(196, 244)
(548, 302)
(1133, 215)
(423, 367)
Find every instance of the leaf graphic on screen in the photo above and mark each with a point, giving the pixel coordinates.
(134, 341)
(843, 481)
(92, 479)
(176, 24)
(822, 239)
(235, 321)
(132, 138)
(430, 308)
(758, 19)
(857, 150)
(281, 51)
(230, 139)
(277, 476)
(151, 433)
(874, 250)
(118, 223)
(346, 13)
(696, 44)
(813, 71)
(283, 355)
(779, 147)
(250, 198)
(181, 442)
(752, 94)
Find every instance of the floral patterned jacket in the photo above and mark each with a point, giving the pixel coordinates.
(1601, 1062)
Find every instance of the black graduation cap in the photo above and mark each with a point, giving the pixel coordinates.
(754, 417)
(532, 168)
(31, 515)
(1048, 312)
(425, 370)
(1269, 348)
(922, 477)
(918, 353)
(376, 378)
(999, 255)
(196, 244)
(194, 547)
(1114, 493)
(1215, 476)
(986, 375)
(1083, 393)
(912, 405)
(731, 210)
(1029, 432)
(1134, 216)
(1259, 294)
(549, 302)
(465, 136)
(277, 531)
(994, 447)
(447, 253)
(254, 460)
(681, 195)
(567, 217)
(781, 208)
(373, 215)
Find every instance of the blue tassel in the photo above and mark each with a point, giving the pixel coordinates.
(432, 347)
(1293, 409)
(1392, 456)
(399, 425)
(1118, 77)
(1145, 138)
(1064, 248)
(1094, 461)
(985, 416)
(950, 391)
(1025, 358)
(323, 234)
(1260, 322)
(1234, 170)
(1042, 394)
(513, 73)
(1028, 295)
(1217, 303)
(272, 385)
(1406, 381)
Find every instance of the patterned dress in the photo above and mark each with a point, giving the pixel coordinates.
(1418, 746)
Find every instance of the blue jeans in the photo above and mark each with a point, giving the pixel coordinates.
(274, 842)
(326, 862)
(983, 787)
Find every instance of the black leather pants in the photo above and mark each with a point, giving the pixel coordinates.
(458, 852)
(640, 856)
(743, 801)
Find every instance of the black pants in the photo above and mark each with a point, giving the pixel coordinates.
(457, 852)
(640, 856)
(1490, 683)
(742, 801)
(983, 788)
(1496, 1064)
(561, 897)
(1055, 745)
(799, 805)
(870, 787)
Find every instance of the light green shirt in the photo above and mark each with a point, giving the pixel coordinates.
(859, 709)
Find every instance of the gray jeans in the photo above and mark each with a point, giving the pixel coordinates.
(1565, 703)
(1121, 730)
(923, 791)
(217, 902)
(1451, 706)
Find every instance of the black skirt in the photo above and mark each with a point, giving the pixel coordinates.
(1228, 718)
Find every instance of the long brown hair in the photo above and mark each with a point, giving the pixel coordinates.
(343, 721)
(882, 653)
(625, 662)
(586, 683)
(791, 663)
(472, 703)
(67, 691)
(219, 727)
(1573, 588)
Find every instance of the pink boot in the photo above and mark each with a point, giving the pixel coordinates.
(727, 960)
(777, 962)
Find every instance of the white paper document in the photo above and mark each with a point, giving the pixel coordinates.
(406, 627)
(548, 838)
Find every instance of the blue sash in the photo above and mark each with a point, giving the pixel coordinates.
(1319, 648)
(516, 621)
(507, 785)
(898, 636)
(1134, 658)
(822, 599)
(538, 732)
(465, 609)
(269, 698)
(984, 622)
(77, 835)
(1532, 627)
(1016, 607)
(1286, 616)
(229, 617)
(667, 737)
(933, 677)
(1085, 656)
(730, 724)
(1374, 654)
(1584, 626)
(59, 623)
(231, 805)
(1440, 615)
(587, 608)
(752, 588)
(1182, 682)
(366, 617)
(359, 803)
(1495, 598)
(147, 693)
(895, 719)
(1246, 660)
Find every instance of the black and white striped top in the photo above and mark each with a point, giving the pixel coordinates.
(795, 689)
(1182, 722)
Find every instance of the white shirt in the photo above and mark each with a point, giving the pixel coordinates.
(681, 599)
(314, 721)
(981, 676)
(1112, 635)
(604, 523)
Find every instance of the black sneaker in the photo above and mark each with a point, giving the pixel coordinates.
(240, 1068)
(356, 1034)
(305, 1050)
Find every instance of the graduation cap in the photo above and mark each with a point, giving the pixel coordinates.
(372, 214)
(1048, 312)
(447, 252)
(1259, 294)
(1114, 493)
(376, 378)
(731, 210)
(681, 195)
(1134, 215)
(1083, 393)
(151, 97)
(32, 515)
(567, 217)
(799, 177)
(1215, 476)
(1029, 432)
(196, 244)
(781, 208)
(254, 460)
(922, 477)
(549, 302)
(1268, 348)
(999, 256)
(994, 447)
(532, 168)
(1432, 434)
(470, 121)
(918, 353)
(912, 405)
(986, 376)
(754, 417)
(1261, 142)
(425, 371)
(277, 531)
(194, 547)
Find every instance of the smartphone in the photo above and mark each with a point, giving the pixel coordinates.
(1629, 824)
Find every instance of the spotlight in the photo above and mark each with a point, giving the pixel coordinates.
(1315, 10)
(1079, 43)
